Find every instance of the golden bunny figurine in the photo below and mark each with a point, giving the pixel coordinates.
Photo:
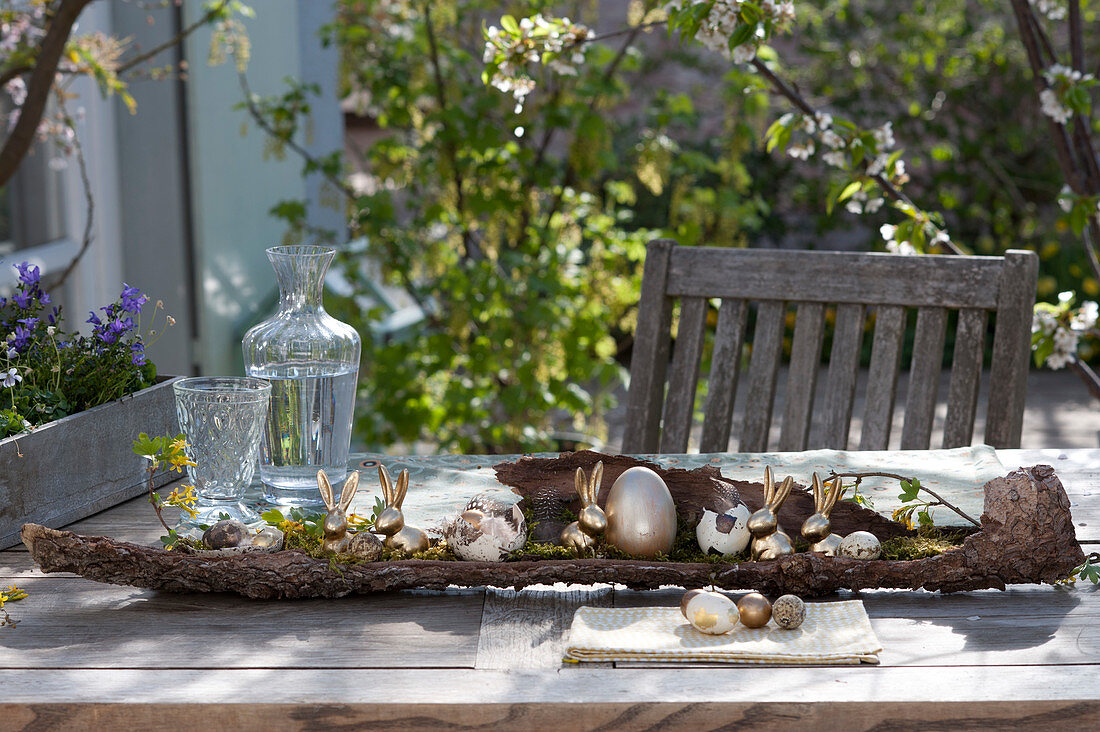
(817, 529)
(391, 521)
(768, 540)
(581, 534)
(336, 537)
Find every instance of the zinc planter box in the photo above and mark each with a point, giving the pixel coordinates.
(69, 469)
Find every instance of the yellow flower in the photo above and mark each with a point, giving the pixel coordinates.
(356, 521)
(289, 526)
(11, 594)
(183, 498)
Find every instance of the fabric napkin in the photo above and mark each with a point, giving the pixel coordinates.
(833, 633)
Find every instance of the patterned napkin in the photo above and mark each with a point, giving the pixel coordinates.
(833, 633)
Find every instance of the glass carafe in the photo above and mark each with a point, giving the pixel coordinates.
(312, 362)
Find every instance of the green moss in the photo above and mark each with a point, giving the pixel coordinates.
(927, 543)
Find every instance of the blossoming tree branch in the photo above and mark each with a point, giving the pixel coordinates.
(868, 170)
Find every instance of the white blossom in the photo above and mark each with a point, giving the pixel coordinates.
(1043, 321)
(801, 151)
(884, 136)
(1050, 105)
(835, 158)
(831, 139)
(1052, 9)
(1065, 198)
(901, 247)
(1086, 316)
(11, 377)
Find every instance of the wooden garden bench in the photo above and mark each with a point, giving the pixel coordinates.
(859, 285)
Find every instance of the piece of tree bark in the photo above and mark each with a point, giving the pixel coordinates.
(1027, 536)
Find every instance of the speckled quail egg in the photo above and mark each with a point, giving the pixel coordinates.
(227, 533)
(487, 530)
(860, 545)
(789, 611)
(712, 613)
(641, 515)
(726, 532)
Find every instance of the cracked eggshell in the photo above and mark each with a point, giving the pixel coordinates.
(712, 613)
(860, 545)
(487, 531)
(725, 533)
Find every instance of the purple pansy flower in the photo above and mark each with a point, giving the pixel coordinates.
(21, 298)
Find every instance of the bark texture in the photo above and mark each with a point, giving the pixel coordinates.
(1027, 536)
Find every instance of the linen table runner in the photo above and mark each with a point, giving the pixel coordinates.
(834, 633)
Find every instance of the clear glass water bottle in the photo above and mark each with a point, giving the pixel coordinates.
(312, 362)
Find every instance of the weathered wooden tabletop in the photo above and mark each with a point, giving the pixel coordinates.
(89, 655)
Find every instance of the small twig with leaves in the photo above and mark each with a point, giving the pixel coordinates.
(910, 488)
(1087, 570)
(167, 453)
(9, 594)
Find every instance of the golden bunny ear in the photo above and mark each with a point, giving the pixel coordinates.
(387, 485)
(580, 484)
(401, 489)
(836, 492)
(326, 490)
(819, 494)
(781, 493)
(350, 486)
(769, 484)
(594, 483)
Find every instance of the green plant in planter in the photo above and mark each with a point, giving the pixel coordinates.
(46, 373)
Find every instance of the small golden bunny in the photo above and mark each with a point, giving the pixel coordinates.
(337, 539)
(817, 529)
(391, 521)
(581, 534)
(769, 541)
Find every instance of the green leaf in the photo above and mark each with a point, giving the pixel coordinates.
(743, 34)
(509, 24)
(274, 517)
(849, 191)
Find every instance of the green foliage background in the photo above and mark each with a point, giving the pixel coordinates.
(522, 234)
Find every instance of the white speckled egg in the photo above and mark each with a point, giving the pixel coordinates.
(712, 613)
(641, 515)
(725, 533)
(789, 611)
(860, 545)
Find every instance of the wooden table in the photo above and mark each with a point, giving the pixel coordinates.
(89, 655)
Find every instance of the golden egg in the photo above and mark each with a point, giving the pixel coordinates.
(641, 515)
(712, 613)
(755, 610)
